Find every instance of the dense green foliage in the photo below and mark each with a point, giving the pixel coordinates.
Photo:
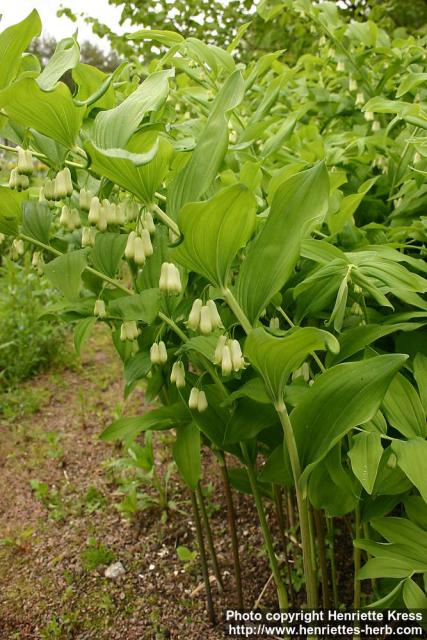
(254, 237)
(28, 342)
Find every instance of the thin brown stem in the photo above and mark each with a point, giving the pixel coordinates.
(203, 560)
(231, 516)
(320, 535)
(209, 537)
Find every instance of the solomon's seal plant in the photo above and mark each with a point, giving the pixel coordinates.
(253, 236)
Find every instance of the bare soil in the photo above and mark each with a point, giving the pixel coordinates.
(46, 588)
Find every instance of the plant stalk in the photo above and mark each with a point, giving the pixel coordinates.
(320, 535)
(209, 537)
(274, 565)
(303, 510)
(203, 561)
(282, 526)
(231, 515)
(357, 557)
(331, 536)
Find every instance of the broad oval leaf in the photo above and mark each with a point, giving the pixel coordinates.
(160, 419)
(65, 273)
(142, 306)
(275, 358)
(10, 210)
(403, 409)
(411, 458)
(297, 204)
(186, 453)
(13, 42)
(52, 113)
(214, 231)
(114, 128)
(108, 251)
(365, 456)
(65, 57)
(36, 220)
(340, 399)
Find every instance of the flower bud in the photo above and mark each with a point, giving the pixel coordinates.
(130, 245)
(25, 161)
(18, 247)
(202, 403)
(219, 349)
(369, 116)
(194, 317)
(376, 126)
(360, 99)
(236, 355)
(13, 179)
(164, 277)
(102, 219)
(60, 189)
(66, 173)
(340, 66)
(163, 354)
(88, 236)
(129, 330)
(352, 84)
(170, 280)
(155, 353)
(48, 189)
(75, 217)
(38, 262)
(64, 218)
(215, 317)
(146, 242)
(121, 213)
(392, 461)
(194, 398)
(205, 321)
(139, 254)
(99, 309)
(94, 209)
(85, 198)
(226, 362)
(149, 223)
(178, 375)
(274, 323)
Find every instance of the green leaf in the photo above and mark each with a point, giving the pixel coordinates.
(365, 456)
(114, 128)
(331, 488)
(185, 554)
(403, 409)
(413, 596)
(420, 375)
(199, 172)
(275, 358)
(214, 231)
(142, 306)
(65, 57)
(411, 458)
(340, 399)
(159, 419)
(416, 509)
(383, 568)
(300, 202)
(403, 531)
(13, 42)
(52, 113)
(136, 368)
(94, 87)
(107, 252)
(82, 331)
(277, 468)
(248, 420)
(357, 338)
(65, 273)
(10, 210)
(140, 171)
(168, 38)
(348, 207)
(36, 220)
(186, 453)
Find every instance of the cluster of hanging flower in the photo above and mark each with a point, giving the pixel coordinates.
(197, 400)
(19, 176)
(170, 280)
(228, 355)
(158, 353)
(129, 330)
(204, 318)
(57, 188)
(178, 374)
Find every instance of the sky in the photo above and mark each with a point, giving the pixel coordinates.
(13, 11)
